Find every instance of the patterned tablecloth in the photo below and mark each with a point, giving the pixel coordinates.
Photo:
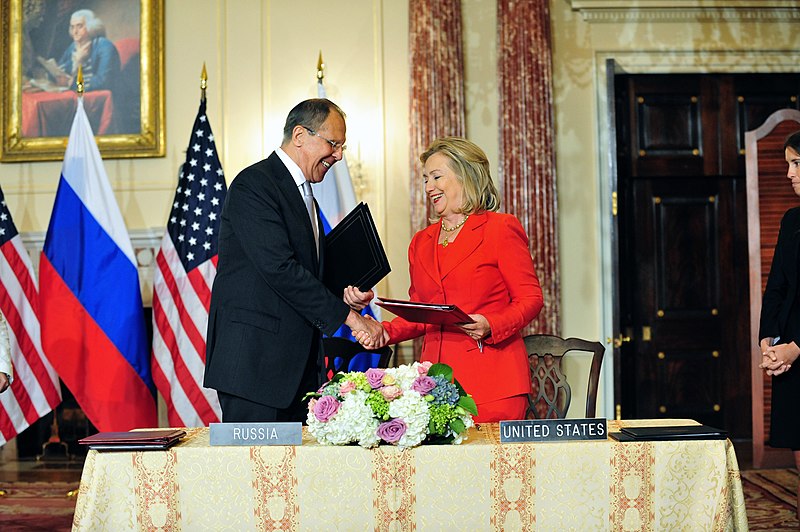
(479, 485)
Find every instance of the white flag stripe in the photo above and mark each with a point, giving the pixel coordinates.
(35, 390)
(194, 306)
(82, 159)
(26, 376)
(173, 319)
(177, 400)
(22, 367)
(14, 411)
(172, 316)
(183, 278)
(23, 306)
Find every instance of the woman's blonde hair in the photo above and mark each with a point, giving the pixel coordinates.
(471, 167)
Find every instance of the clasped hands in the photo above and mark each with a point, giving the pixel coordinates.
(777, 359)
(371, 334)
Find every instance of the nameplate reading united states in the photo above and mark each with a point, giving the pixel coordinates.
(253, 434)
(550, 430)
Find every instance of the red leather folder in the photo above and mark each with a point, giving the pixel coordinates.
(425, 312)
(138, 440)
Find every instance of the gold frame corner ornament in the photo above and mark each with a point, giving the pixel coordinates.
(149, 142)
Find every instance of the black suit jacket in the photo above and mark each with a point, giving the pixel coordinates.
(268, 301)
(780, 293)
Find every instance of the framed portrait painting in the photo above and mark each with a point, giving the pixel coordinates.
(118, 45)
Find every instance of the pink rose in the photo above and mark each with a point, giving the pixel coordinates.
(375, 377)
(390, 393)
(326, 407)
(347, 387)
(311, 404)
(423, 367)
(392, 431)
(423, 384)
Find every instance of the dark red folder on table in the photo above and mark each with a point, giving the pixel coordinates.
(137, 440)
(425, 312)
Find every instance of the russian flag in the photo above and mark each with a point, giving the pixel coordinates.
(336, 197)
(91, 307)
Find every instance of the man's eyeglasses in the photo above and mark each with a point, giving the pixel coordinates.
(334, 145)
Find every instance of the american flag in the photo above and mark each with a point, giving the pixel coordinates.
(185, 268)
(35, 390)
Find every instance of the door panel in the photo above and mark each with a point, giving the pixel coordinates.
(683, 241)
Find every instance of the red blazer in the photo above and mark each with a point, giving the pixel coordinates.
(487, 270)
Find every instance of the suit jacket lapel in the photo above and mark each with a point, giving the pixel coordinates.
(427, 248)
(469, 238)
(288, 188)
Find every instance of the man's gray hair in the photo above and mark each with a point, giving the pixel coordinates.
(94, 25)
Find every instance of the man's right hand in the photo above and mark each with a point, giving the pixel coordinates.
(367, 331)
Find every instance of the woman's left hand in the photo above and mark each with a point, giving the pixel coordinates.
(479, 329)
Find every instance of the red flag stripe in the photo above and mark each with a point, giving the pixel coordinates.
(30, 364)
(184, 376)
(18, 259)
(174, 418)
(198, 278)
(24, 326)
(35, 389)
(176, 296)
(9, 407)
(193, 303)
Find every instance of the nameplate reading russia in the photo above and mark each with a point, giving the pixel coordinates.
(549, 430)
(253, 434)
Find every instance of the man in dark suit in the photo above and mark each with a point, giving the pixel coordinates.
(268, 304)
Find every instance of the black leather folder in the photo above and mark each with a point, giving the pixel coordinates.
(425, 312)
(354, 254)
(674, 432)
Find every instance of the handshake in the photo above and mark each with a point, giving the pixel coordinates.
(369, 332)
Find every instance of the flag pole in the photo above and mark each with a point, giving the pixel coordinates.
(79, 81)
(320, 68)
(203, 82)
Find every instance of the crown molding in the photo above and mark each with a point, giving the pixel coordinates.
(621, 11)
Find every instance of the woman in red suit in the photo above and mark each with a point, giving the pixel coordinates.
(477, 259)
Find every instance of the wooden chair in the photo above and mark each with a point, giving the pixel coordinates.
(551, 393)
(340, 352)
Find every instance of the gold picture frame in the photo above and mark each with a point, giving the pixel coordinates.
(37, 104)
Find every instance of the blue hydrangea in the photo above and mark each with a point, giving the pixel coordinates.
(445, 392)
(331, 389)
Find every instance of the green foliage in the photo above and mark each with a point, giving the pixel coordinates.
(468, 403)
(441, 369)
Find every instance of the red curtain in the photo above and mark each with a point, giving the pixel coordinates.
(527, 152)
(436, 58)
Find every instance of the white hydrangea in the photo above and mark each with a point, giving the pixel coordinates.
(404, 375)
(354, 422)
(413, 410)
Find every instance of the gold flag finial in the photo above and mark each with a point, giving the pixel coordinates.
(320, 67)
(203, 81)
(79, 81)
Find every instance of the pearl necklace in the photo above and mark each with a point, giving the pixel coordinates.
(451, 229)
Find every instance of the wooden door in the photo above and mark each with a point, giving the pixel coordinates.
(683, 242)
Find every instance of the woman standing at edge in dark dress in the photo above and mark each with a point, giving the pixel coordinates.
(779, 331)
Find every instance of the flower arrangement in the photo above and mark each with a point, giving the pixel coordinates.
(403, 406)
